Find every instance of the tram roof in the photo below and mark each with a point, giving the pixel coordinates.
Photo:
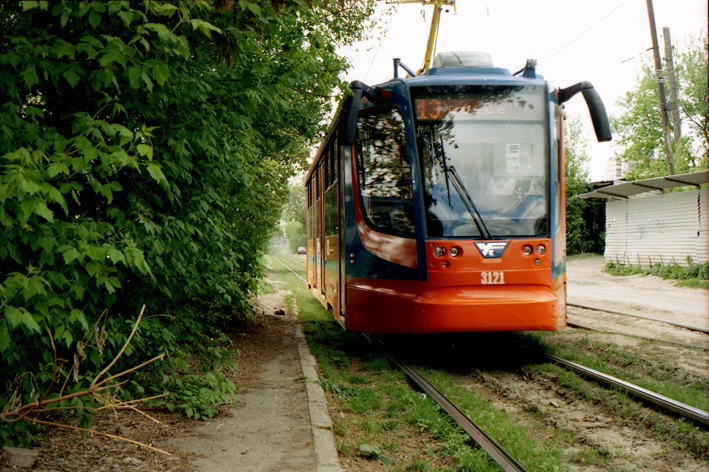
(469, 75)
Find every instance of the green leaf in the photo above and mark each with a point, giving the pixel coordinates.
(145, 150)
(135, 75)
(92, 268)
(42, 210)
(255, 9)
(207, 28)
(72, 77)
(156, 172)
(107, 192)
(28, 5)
(161, 72)
(94, 19)
(78, 315)
(17, 316)
(55, 168)
(4, 336)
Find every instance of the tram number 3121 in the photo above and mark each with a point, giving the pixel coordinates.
(492, 278)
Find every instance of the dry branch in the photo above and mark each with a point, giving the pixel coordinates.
(94, 390)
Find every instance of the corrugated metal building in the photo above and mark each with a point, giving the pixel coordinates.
(645, 229)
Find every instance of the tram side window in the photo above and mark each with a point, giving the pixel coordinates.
(331, 208)
(309, 210)
(384, 173)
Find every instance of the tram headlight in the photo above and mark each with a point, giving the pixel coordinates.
(527, 250)
(455, 250)
(541, 249)
(438, 251)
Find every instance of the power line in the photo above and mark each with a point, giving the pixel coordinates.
(386, 30)
(586, 31)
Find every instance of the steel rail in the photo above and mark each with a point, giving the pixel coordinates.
(667, 403)
(679, 325)
(572, 324)
(290, 270)
(507, 462)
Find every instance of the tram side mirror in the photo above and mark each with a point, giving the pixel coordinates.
(599, 117)
(350, 109)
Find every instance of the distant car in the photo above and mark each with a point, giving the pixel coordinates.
(302, 250)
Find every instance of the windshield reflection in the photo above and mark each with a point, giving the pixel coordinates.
(495, 139)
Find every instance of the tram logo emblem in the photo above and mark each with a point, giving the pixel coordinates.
(492, 250)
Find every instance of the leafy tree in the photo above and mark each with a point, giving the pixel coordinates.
(144, 152)
(294, 208)
(638, 129)
(294, 214)
(581, 237)
(295, 232)
(578, 234)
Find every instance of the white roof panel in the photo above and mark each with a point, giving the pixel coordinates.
(627, 189)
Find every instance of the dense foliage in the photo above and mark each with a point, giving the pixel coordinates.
(294, 214)
(637, 130)
(581, 234)
(145, 148)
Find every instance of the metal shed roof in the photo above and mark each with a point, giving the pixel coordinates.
(627, 189)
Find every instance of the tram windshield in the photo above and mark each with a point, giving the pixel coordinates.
(484, 160)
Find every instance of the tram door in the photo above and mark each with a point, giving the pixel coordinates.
(318, 231)
(331, 238)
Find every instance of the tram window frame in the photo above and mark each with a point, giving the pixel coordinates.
(401, 217)
(330, 206)
(324, 163)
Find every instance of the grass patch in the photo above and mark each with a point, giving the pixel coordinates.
(693, 275)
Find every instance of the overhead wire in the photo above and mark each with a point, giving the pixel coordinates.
(371, 63)
(586, 31)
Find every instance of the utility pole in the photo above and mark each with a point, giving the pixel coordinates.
(660, 89)
(673, 104)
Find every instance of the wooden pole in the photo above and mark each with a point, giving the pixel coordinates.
(660, 89)
(672, 84)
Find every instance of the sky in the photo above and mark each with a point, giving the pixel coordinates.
(600, 41)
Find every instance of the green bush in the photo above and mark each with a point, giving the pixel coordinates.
(669, 271)
(144, 154)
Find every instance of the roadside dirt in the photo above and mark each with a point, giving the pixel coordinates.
(588, 283)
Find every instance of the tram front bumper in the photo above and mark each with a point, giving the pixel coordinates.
(488, 308)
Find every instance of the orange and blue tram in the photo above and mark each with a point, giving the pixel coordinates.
(436, 203)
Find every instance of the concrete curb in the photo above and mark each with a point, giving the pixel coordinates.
(323, 439)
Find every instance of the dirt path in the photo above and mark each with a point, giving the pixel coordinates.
(588, 283)
(268, 427)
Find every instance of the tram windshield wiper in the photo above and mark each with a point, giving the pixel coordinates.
(467, 201)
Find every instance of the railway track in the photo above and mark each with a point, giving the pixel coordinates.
(635, 315)
(277, 259)
(480, 437)
(502, 457)
(477, 434)
(656, 399)
(661, 401)
(575, 325)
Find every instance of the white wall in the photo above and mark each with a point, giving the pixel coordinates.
(658, 228)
